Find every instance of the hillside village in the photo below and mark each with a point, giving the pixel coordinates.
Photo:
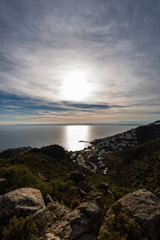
(93, 157)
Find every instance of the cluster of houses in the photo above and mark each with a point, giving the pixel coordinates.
(93, 157)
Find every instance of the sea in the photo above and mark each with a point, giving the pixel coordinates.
(70, 137)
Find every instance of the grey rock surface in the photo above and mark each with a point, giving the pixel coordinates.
(59, 210)
(85, 220)
(144, 207)
(51, 236)
(22, 202)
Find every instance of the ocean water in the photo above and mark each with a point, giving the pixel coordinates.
(67, 136)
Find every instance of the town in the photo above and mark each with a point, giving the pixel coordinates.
(93, 157)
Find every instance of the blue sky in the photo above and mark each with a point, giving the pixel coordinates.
(85, 61)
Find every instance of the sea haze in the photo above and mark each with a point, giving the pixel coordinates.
(67, 136)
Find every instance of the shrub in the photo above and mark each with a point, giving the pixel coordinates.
(20, 229)
(19, 176)
(43, 221)
(119, 226)
(61, 189)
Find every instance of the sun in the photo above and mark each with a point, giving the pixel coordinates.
(76, 86)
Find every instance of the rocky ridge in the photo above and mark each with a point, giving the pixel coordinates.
(84, 222)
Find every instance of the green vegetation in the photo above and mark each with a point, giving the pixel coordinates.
(20, 229)
(137, 167)
(23, 170)
(48, 171)
(119, 226)
(18, 176)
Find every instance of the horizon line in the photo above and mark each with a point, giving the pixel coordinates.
(74, 124)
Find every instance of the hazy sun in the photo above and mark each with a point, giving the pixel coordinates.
(75, 86)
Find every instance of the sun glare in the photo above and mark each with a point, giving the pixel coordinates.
(76, 86)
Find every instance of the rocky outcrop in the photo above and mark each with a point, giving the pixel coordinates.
(51, 236)
(96, 198)
(144, 207)
(48, 236)
(59, 211)
(22, 202)
(82, 223)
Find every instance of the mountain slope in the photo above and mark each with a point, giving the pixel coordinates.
(138, 166)
(148, 132)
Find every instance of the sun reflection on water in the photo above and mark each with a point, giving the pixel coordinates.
(74, 134)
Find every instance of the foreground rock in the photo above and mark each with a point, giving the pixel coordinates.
(58, 211)
(144, 207)
(23, 202)
(82, 223)
(51, 236)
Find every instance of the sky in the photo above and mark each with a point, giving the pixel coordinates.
(77, 62)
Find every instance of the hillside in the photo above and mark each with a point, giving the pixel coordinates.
(74, 193)
(136, 167)
(148, 132)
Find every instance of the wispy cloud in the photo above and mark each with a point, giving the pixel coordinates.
(116, 41)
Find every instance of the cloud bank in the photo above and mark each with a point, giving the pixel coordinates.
(117, 42)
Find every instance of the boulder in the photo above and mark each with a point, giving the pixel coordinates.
(84, 186)
(48, 236)
(51, 236)
(22, 202)
(59, 210)
(82, 222)
(76, 176)
(144, 207)
(61, 229)
(92, 210)
(86, 219)
(97, 198)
